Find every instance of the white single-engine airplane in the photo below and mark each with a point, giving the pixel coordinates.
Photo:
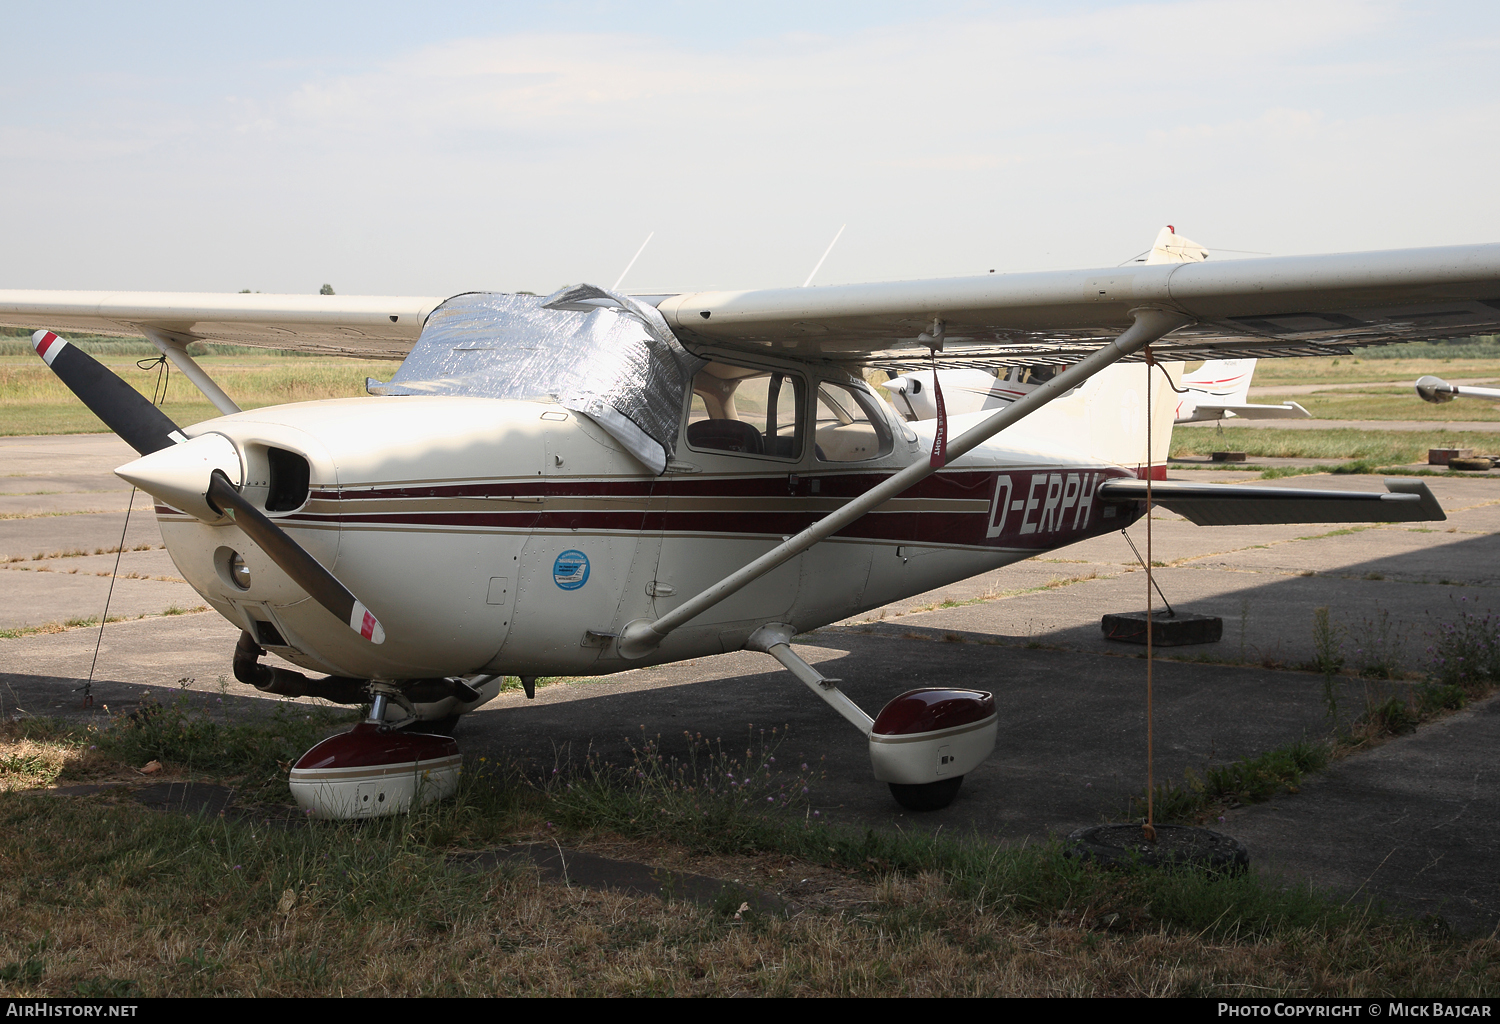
(1217, 390)
(1437, 390)
(591, 481)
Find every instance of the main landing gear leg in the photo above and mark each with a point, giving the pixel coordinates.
(922, 744)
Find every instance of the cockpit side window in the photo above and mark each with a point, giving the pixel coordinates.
(851, 426)
(745, 411)
(1034, 374)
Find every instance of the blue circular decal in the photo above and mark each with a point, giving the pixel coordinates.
(571, 570)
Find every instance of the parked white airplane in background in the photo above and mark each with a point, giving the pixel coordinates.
(1437, 390)
(1216, 390)
(591, 482)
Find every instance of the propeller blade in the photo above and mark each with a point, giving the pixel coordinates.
(124, 409)
(305, 570)
(178, 481)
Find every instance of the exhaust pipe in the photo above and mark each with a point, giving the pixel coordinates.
(285, 683)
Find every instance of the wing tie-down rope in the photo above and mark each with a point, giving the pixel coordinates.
(1144, 565)
(158, 396)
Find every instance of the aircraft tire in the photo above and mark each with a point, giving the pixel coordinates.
(1470, 464)
(439, 727)
(928, 796)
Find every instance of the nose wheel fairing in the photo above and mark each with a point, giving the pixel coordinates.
(371, 772)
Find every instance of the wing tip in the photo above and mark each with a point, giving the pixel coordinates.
(1427, 501)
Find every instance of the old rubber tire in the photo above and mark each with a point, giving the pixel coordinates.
(1470, 464)
(928, 796)
(1177, 846)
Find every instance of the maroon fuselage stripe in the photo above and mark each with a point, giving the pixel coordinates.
(1038, 508)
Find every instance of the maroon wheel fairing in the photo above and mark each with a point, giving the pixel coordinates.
(932, 709)
(366, 746)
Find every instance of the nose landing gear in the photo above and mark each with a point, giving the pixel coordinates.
(368, 771)
(373, 769)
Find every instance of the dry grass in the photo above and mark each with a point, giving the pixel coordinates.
(1361, 368)
(37, 755)
(103, 897)
(62, 626)
(34, 401)
(120, 904)
(43, 556)
(56, 626)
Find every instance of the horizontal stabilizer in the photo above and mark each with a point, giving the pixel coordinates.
(1284, 411)
(1406, 501)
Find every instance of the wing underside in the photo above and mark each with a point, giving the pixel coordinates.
(1284, 306)
(348, 325)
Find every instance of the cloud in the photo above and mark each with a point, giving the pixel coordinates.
(948, 144)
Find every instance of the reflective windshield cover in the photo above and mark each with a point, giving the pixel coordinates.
(604, 355)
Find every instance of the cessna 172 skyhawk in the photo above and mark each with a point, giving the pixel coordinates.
(591, 481)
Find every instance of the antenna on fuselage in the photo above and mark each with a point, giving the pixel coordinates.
(824, 256)
(616, 286)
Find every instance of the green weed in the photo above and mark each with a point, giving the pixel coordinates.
(1465, 652)
(1379, 645)
(1249, 780)
(185, 734)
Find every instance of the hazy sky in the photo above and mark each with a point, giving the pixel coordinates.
(435, 148)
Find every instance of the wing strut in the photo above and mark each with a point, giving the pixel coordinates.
(641, 637)
(175, 349)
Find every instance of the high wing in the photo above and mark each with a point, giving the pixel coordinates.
(350, 325)
(1279, 306)
(1293, 305)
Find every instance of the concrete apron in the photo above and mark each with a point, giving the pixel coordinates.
(1405, 822)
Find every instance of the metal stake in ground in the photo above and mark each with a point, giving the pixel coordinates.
(1150, 829)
